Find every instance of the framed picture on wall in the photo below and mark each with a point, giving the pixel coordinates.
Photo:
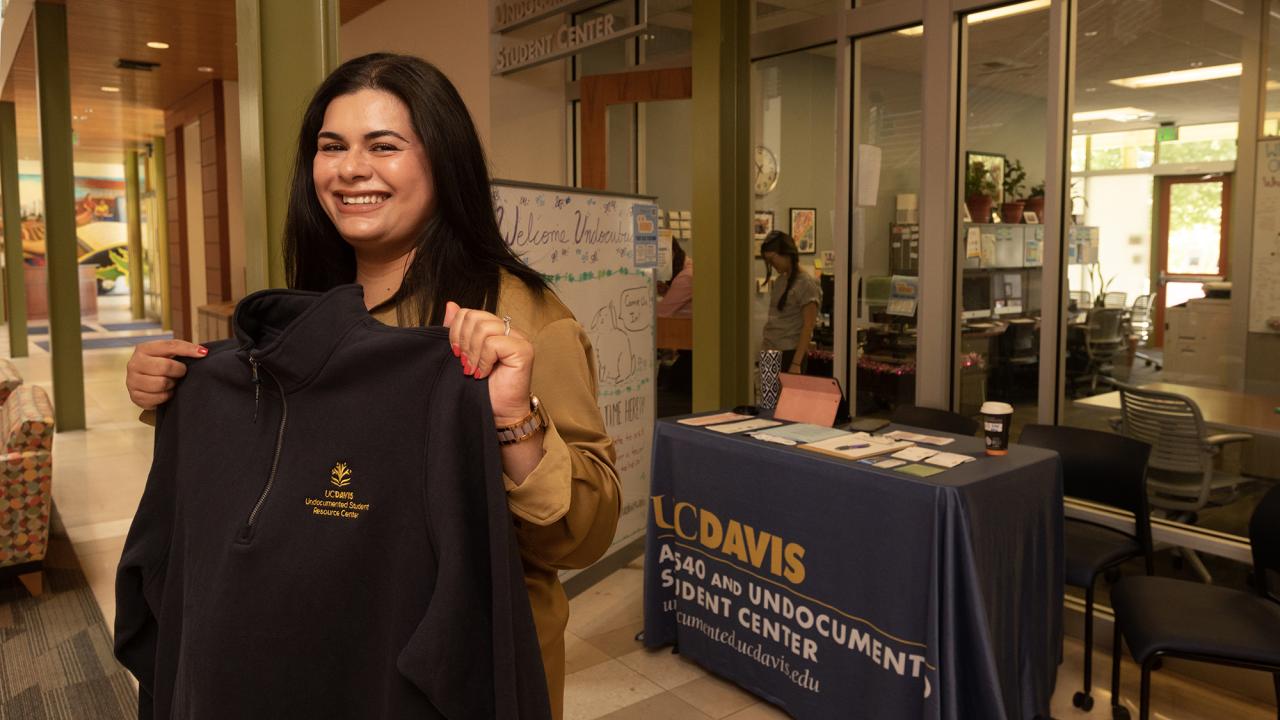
(804, 228)
(762, 224)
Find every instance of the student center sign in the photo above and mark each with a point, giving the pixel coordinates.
(565, 40)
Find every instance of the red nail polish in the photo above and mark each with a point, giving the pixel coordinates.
(466, 367)
(457, 349)
(204, 350)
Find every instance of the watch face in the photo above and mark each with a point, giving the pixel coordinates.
(766, 170)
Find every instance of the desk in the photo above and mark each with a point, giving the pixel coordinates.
(1238, 412)
(674, 334)
(834, 589)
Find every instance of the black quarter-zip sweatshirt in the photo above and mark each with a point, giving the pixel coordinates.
(325, 532)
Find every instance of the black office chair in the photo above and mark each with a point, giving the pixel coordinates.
(1103, 468)
(931, 419)
(1162, 616)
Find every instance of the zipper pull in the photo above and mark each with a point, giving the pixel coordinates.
(257, 387)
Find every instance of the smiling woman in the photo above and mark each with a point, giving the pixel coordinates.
(365, 207)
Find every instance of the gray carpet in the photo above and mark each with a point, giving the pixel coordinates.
(55, 654)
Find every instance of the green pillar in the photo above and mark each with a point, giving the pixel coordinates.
(53, 82)
(160, 182)
(284, 49)
(132, 201)
(14, 282)
(721, 203)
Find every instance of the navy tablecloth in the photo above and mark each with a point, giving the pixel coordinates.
(838, 590)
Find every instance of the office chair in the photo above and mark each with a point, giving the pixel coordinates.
(1140, 318)
(1109, 469)
(1181, 477)
(932, 419)
(1140, 325)
(1160, 617)
(1115, 300)
(1103, 342)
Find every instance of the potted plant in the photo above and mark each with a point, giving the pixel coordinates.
(1035, 201)
(1011, 208)
(979, 192)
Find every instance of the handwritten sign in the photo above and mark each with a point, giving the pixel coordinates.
(583, 243)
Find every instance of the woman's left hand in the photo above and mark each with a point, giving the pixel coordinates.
(480, 342)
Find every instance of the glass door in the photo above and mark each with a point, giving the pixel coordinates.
(1194, 212)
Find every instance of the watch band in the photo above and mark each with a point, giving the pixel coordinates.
(526, 428)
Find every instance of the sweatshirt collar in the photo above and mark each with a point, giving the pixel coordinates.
(292, 333)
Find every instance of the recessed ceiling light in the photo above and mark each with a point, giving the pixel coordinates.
(1178, 77)
(1118, 114)
(110, 88)
(1091, 33)
(988, 15)
(1091, 89)
(204, 68)
(158, 45)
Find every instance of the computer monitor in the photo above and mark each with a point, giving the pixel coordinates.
(1006, 290)
(876, 292)
(976, 297)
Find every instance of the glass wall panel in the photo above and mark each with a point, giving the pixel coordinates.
(1214, 142)
(1150, 243)
(771, 14)
(999, 246)
(611, 57)
(886, 230)
(669, 34)
(793, 130)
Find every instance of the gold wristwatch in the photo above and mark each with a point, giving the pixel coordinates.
(526, 428)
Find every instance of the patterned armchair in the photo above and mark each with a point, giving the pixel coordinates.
(25, 484)
(9, 379)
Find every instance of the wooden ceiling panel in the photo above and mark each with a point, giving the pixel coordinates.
(200, 33)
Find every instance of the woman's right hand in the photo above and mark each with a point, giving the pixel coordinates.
(152, 373)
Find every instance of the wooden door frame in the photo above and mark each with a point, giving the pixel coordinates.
(1166, 183)
(598, 92)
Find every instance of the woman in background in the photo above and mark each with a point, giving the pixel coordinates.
(793, 302)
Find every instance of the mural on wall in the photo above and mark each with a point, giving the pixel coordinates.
(101, 222)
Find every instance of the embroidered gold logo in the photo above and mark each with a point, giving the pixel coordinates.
(338, 503)
(340, 475)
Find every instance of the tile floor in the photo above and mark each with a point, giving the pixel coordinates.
(99, 475)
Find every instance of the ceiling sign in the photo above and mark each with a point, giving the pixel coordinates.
(565, 40)
(511, 14)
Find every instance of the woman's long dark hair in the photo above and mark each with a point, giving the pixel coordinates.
(782, 244)
(459, 253)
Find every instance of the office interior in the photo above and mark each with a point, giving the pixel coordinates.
(1025, 202)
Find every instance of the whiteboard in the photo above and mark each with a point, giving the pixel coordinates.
(1264, 287)
(582, 243)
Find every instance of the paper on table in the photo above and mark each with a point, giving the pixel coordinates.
(890, 463)
(949, 460)
(806, 432)
(914, 454)
(724, 417)
(756, 424)
(919, 470)
(772, 438)
(918, 438)
(854, 446)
